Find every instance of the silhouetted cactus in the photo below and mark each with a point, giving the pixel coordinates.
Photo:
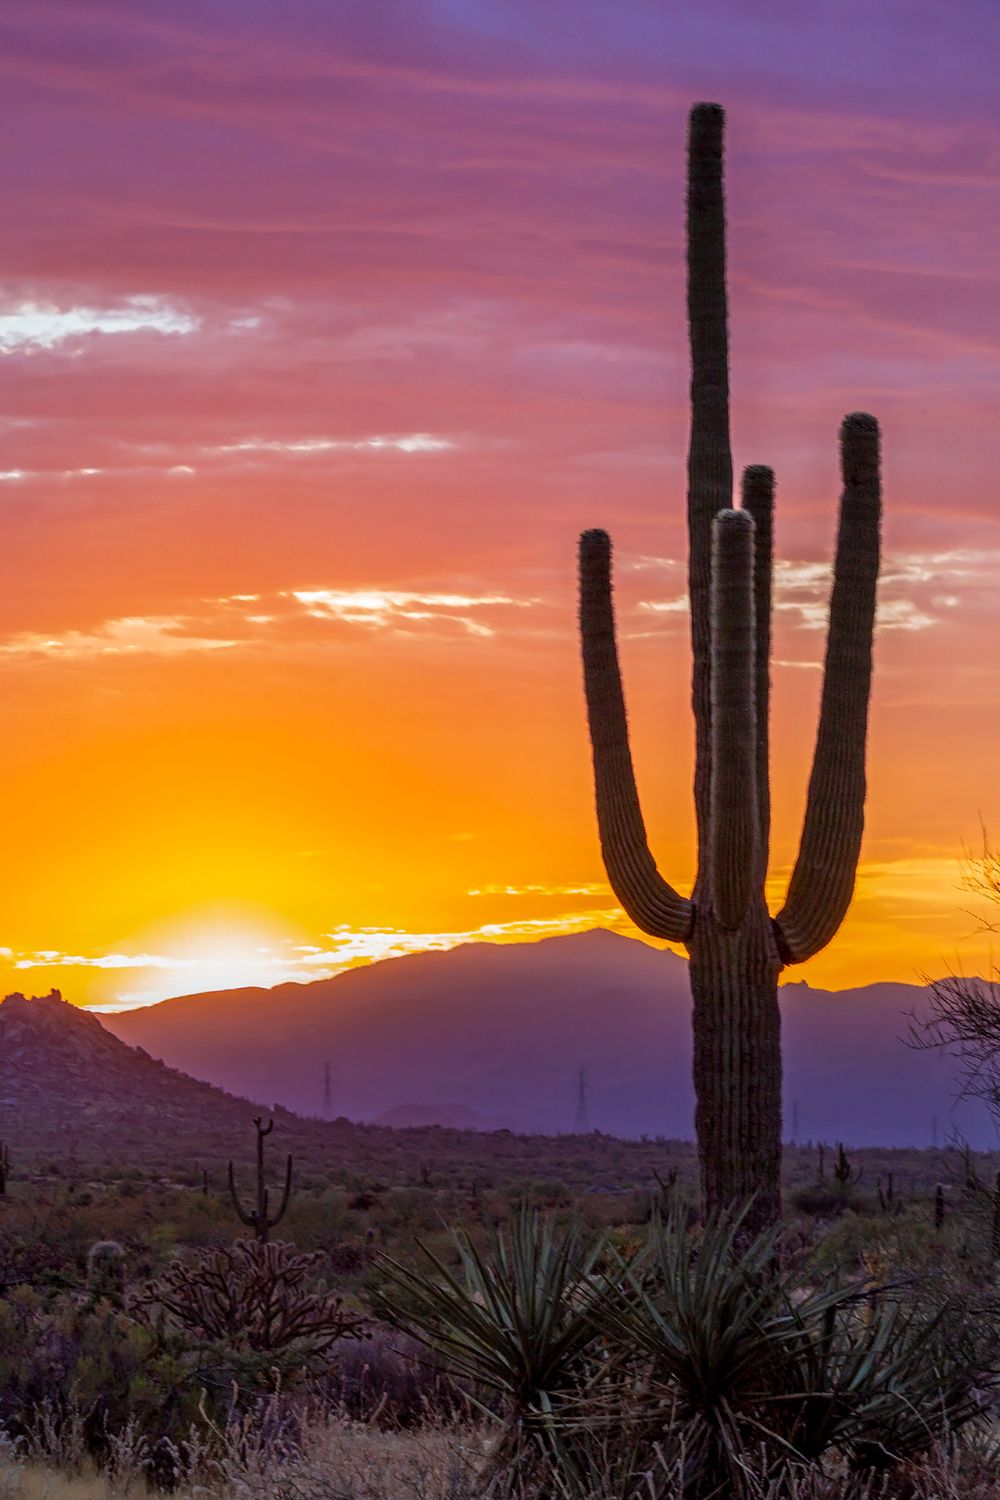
(821, 1168)
(259, 1219)
(4, 1168)
(939, 1207)
(737, 950)
(665, 1196)
(842, 1169)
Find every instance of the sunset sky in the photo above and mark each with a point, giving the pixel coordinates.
(326, 327)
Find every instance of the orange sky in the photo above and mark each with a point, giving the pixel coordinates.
(319, 351)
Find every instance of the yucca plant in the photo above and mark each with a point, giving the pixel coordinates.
(518, 1322)
(759, 1368)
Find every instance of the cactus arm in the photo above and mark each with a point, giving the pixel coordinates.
(652, 904)
(758, 499)
(822, 881)
(732, 862)
(241, 1213)
(710, 463)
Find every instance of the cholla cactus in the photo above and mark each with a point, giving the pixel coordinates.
(737, 950)
(250, 1297)
(259, 1219)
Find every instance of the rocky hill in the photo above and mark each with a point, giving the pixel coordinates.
(64, 1078)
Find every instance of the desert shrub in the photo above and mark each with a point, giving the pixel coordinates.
(72, 1365)
(820, 1199)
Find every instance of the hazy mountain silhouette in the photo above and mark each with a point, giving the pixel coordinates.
(73, 1097)
(503, 1030)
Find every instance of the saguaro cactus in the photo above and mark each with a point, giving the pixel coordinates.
(258, 1219)
(736, 948)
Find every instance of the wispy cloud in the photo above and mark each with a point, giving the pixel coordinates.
(343, 948)
(414, 442)
(35, 325)
(161, 635)
(347, 946)
(912, 588)
(600, 888)
(383, 608)
(245, 620)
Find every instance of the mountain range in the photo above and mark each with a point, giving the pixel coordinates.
(75, 1100)
(495, 1036)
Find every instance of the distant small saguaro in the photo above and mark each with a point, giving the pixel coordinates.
(259, 1219)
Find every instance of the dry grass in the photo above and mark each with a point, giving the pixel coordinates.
(339, 1460)
(345, 1460)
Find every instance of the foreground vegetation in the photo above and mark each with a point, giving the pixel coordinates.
(561, 1342)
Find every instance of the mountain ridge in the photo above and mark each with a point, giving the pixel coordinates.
(504, 1030)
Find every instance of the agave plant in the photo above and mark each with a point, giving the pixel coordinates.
(518, 1321)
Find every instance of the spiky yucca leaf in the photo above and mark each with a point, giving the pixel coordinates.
(517, 1319)
(754, 1359)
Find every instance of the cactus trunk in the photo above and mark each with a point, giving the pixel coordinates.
(737, 1064)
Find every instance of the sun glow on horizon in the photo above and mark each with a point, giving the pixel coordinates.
(297, 444)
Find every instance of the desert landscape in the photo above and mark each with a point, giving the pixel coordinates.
(475, 1026)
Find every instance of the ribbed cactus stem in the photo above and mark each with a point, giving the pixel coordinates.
(653, 905)
(736, 950)
(822, 882)
(757, 498)
(733, 822)
(710, 460)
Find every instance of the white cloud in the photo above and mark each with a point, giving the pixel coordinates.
(349, 946)
(802, 589)
(385, 607)
(414, 442)
(676, 606)
(903, 614)
(251, 619)
(130, 636)
(34, 325)
(48, 958)
(599, 889)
